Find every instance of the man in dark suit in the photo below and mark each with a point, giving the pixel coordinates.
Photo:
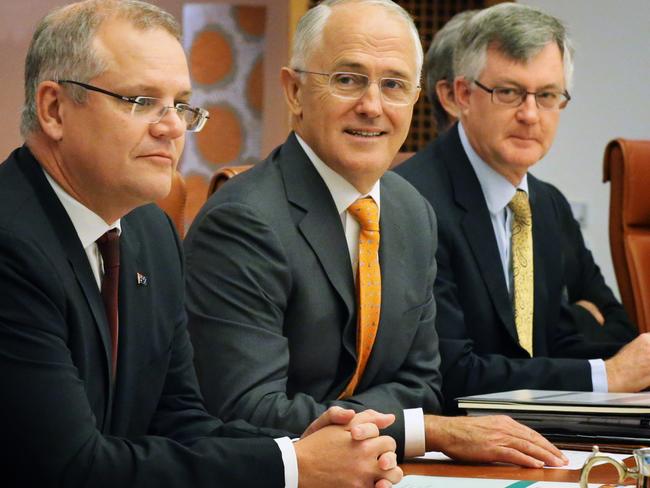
(276, 312)
(594, 310)
(510, 88)
(99, 388)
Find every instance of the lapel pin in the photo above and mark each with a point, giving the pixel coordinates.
(141, 279)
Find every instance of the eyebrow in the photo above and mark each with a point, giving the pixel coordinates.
(393, 73)
(152, 91)
(544, 87)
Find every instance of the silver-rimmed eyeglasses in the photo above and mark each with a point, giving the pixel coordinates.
(353, 86)
(513, 97)
(152, 110)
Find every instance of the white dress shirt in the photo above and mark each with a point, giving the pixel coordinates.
(498, 192)
(344, 195)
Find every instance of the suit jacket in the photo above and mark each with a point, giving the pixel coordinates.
(271, 299)
(475, 322)
(61, 423)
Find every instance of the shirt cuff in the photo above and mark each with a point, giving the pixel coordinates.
(414, 442)
(598, 375)
(290, 462)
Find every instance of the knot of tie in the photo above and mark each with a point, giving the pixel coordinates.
(365, 211)
(520, 207)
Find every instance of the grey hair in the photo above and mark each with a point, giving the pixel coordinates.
(518, 31)
(439, 62)
(310, 29)
(62, 46)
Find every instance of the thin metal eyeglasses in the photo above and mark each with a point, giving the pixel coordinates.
(153, 109)
(513, 97)
(352, 86)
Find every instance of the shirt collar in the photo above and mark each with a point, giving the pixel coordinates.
(342, 191)
(497, 190)
(88, 224)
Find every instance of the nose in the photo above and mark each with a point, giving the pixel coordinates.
(370, 103)
(528, 111)
(170, 124)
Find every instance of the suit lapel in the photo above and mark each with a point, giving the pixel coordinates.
(318, 219)
(67, 235)
(477, 227)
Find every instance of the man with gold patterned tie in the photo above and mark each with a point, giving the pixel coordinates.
(310, 277)
(503, 319)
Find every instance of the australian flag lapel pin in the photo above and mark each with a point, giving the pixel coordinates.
(141, 279)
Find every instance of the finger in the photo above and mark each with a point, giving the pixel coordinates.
(532, 450)
(381, 420)
(380, 445)
(333, 415)
(387, 460)
(383, 484)
(537, 443)
(364, 431)
(392, 476)
(514, 456)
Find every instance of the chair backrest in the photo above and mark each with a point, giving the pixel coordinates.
(224, 174)
(174, 203)
(627, 167)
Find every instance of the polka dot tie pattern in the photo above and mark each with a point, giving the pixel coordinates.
(365, 211)
(522, 268)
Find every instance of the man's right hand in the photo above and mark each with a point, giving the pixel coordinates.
(330, 456)
(629, 369)
(494, 438)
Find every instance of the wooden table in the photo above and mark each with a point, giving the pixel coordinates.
(599, 474)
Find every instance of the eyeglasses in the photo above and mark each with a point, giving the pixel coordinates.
(513, 97)
(152, 109)
(353, 86)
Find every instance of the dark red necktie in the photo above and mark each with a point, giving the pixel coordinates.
(109, 247)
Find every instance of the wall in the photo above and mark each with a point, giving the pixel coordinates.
(609, 100)
(19, 18)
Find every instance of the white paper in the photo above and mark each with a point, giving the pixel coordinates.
(413, 481)
(576, 458)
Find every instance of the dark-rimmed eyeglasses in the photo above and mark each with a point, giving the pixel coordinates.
(353, 86)
(513, 97)
(152, 110)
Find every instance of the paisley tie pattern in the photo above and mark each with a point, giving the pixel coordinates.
(522, 268)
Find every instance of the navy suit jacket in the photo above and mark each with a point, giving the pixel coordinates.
(478, 338)
(272, 301)
(61, 423)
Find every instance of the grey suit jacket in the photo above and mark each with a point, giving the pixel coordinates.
(271, 299)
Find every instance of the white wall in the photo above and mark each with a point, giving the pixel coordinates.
(610, 98)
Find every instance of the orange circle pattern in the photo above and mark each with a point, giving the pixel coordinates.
(211, 57)
(251, 19)
(221, 140)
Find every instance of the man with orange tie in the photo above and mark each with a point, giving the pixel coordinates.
(310, 277)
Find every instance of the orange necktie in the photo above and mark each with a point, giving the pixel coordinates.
(365, 211)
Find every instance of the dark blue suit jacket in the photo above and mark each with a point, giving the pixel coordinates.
(475, 322)
(61, 423)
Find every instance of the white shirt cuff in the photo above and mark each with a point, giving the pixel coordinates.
(598, 375)
(414, 441)
(290, 462)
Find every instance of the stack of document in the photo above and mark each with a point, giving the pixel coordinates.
(413, 481)
(622, 418)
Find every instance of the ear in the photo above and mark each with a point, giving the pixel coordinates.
(48, 109)
(445, 92)
(462, 92)
(292, 91)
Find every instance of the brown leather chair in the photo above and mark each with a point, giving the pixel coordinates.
(174, 203)
(224, 174)
(627, 167)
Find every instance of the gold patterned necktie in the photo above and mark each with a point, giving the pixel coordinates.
(522, 268)
(365, 211)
